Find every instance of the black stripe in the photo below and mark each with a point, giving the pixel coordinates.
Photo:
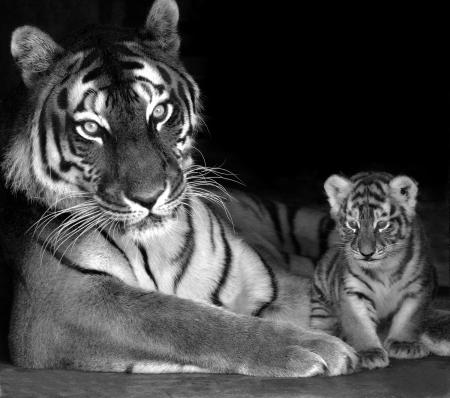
(112, 242)
(360, 279)
(164, 74)
(80, 107)
(228, 258)
(184, 99)
(184, 256)
(146, 265)
(64, 165)
(158, 87)
(272, 209)
(89, 60)
(43, 149)
(92, 75)
(397, 275)
(331, 267)
(67, 262)
(131, 65)
(361, 296)
(326, 226)
(124, 50)
(291, 212)
(62, 99)
(188, 83)
(211, 228)
(274, 284)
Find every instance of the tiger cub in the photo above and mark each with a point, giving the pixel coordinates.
(379, 274)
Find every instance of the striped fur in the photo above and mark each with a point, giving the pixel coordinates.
(379, 275)
(296, 236)
(130, 268)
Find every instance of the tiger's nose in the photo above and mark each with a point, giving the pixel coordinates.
(145, 199)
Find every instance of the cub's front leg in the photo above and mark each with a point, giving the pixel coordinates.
(358, 324)
(403, 340)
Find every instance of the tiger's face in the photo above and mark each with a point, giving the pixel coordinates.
(114, 119)
(374, 213)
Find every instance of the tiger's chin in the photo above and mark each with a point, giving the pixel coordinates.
(150, 226)
(370, 264)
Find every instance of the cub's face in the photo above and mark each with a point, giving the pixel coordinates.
(113, 128)
(374, 212)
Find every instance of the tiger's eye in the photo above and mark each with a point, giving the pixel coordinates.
(352, 224)
(382, 225)
(159, 111)
(91, 127)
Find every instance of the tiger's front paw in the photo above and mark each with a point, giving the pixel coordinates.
(373, 358)
(406, 349)
(339, 357)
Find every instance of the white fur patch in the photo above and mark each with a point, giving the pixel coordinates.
(166, 367)
(441, 348)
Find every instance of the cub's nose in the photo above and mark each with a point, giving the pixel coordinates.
(367, 250)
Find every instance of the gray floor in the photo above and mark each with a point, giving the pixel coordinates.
(429, 377)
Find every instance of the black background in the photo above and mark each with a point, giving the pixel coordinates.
(292, 93)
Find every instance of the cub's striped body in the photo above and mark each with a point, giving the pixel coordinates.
(380, 272)
(130, 269)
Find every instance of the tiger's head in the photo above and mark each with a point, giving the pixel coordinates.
(109, 120)
(373, 212)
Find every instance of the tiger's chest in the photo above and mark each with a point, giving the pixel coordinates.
(217, 269)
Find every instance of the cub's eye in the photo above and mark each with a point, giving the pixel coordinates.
(91, 127)
(352, 224)
(159, 111)
(383, 225)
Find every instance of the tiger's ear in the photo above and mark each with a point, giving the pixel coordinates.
(405, 190)
(34, 52)
(161, 24)
(337, 189)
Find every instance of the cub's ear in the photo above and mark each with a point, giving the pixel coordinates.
(34, 52)
(161, 25)
(404, 190)
(337, 189)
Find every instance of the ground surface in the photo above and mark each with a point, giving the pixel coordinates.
(428, 377)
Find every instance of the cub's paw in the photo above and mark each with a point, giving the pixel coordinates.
(373, 358)
(339, 357)
(406, 349)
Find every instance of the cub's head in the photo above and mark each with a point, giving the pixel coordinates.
(373, 212)
(109, 121)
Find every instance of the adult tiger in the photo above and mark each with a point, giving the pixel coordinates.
(130, 272)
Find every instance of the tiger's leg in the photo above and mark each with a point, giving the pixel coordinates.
(96, 322)
(403, 340)
(358, 324)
